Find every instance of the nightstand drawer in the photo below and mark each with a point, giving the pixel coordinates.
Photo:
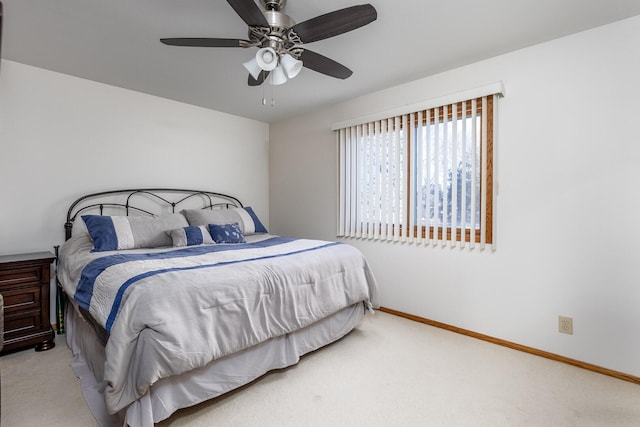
(22, 323)
(21, 299)
(20, 276)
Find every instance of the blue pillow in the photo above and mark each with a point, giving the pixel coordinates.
(227, 233)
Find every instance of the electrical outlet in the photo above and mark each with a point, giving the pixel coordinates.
(565, 325)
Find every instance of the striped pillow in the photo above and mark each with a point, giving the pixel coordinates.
(246, 218)
(110, 233)
(191, 236)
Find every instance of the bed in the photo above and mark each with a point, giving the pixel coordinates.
(172, 297)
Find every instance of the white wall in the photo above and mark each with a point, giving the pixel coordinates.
(568, 160)
(62, 137)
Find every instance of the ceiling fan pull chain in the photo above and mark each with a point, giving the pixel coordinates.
(273, 101)
(264, 98)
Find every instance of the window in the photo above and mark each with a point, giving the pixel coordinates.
(424, 176)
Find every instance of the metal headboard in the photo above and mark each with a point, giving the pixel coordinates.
(158, 201)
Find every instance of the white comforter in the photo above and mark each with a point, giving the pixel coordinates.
(169, 311)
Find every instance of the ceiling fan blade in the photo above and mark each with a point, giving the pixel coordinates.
(250, 13)
(261, 78)
(335, 23)
(203, 42)
(322, 64)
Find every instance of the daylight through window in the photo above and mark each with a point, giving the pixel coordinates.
(424, 176)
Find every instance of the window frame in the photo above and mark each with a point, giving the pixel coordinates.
(368, 187)
(486, 176)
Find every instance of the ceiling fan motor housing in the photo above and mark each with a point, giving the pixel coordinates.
(279, 21)
(275, 36)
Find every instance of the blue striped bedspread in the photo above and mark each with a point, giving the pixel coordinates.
(172, 310)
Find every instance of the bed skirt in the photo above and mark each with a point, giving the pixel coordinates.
(191, 388)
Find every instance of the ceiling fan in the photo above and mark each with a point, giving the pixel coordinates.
(280, 41)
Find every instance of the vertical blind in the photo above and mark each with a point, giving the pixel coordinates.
(423, 177)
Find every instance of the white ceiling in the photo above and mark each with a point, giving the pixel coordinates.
(117, 42)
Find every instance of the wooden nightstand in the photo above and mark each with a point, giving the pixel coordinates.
(24, 284)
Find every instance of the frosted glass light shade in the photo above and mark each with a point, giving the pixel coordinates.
(278, 76)
(267, 58)
(291, 65)
(253, 68)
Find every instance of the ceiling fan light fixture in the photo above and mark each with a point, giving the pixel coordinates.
(267, 59)
(291, 65)
(278, 76)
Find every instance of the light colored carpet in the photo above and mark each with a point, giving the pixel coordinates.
(389, 372)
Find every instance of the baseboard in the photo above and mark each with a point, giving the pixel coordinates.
(515, 346)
